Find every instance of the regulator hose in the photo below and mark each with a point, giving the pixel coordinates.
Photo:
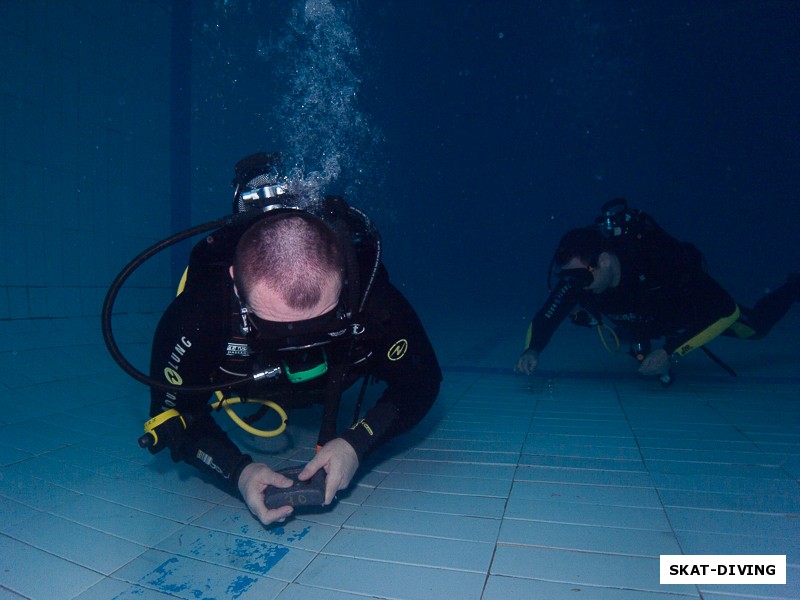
(111, 296)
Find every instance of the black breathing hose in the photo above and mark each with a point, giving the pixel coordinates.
(111, 296)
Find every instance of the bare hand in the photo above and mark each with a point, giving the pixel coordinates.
(340, 462)
(528, 362)
(655, 363)
(255, 478)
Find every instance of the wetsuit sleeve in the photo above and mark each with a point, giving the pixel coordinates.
(710, 310)
(404, 358)
(185, 352)
(561, 301)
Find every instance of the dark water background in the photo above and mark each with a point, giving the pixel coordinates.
(477, 132)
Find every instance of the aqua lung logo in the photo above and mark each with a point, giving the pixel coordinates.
(173, 364)
(177, 354)
(398, 350)
(173, 377)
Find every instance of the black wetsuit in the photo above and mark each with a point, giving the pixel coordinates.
(664, 292)
(199, 341)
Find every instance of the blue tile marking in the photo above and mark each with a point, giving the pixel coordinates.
(259, 562)
(294, 536)
(170, 570)
(161, 573)
(256, 557)
(240, 585)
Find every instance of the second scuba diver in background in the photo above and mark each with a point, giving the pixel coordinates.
(649, 285)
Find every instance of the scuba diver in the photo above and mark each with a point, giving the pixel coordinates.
(292, 305)
(650, 286)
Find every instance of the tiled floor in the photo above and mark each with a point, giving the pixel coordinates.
(569, 484)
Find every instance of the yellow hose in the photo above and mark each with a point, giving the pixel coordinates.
(226, 402)
(600, 328)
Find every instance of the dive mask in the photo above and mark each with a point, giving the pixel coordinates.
(581, 277)
(299, 345)
(277, 336)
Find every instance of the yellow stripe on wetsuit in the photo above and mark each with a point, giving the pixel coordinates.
(708, 334)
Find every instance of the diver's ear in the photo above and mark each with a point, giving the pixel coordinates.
(230, 272)
(603, 260)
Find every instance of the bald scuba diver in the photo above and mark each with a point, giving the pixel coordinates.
(293, 305)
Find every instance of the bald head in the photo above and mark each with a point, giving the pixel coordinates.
(294, 259)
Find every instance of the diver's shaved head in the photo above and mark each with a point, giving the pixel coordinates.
(297, 257)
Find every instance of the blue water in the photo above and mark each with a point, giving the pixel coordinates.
(477, 132)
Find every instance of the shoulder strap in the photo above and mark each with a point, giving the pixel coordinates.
(362, 246)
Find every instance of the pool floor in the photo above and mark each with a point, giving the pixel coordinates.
(568, 484)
